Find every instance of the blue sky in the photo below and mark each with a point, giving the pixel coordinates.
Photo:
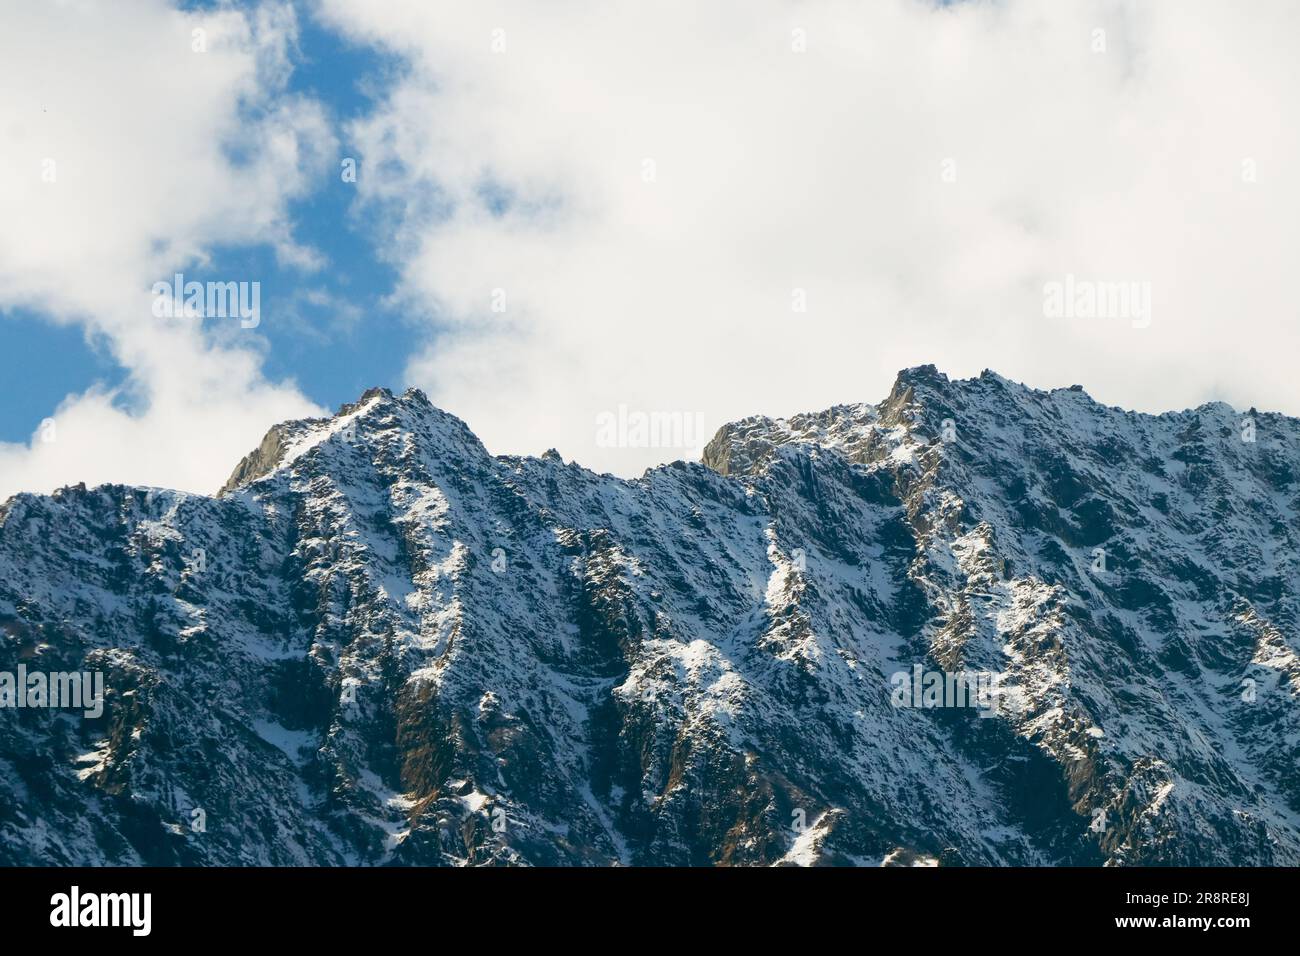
(332, 359)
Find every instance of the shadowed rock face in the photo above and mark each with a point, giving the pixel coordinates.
(381, 644)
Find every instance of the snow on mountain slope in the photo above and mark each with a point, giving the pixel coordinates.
(381, 644)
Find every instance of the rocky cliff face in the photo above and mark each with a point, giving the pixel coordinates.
(381, 644)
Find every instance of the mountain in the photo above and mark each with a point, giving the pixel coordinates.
(380, 644)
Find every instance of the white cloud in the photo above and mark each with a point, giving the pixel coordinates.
(824, 171)
(129, 154)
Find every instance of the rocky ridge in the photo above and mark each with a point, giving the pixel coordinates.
(380, 644)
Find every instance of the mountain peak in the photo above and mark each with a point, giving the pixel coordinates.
(921, 373)
(377, 411)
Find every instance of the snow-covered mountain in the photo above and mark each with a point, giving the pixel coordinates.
(381, 644)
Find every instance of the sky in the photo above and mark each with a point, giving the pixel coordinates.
(572, 214)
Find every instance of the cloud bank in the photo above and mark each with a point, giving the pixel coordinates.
(762, 206)
(665, 215)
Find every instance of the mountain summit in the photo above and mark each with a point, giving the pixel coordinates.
(381, 644)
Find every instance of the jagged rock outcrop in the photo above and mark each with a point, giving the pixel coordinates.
(382, 644)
